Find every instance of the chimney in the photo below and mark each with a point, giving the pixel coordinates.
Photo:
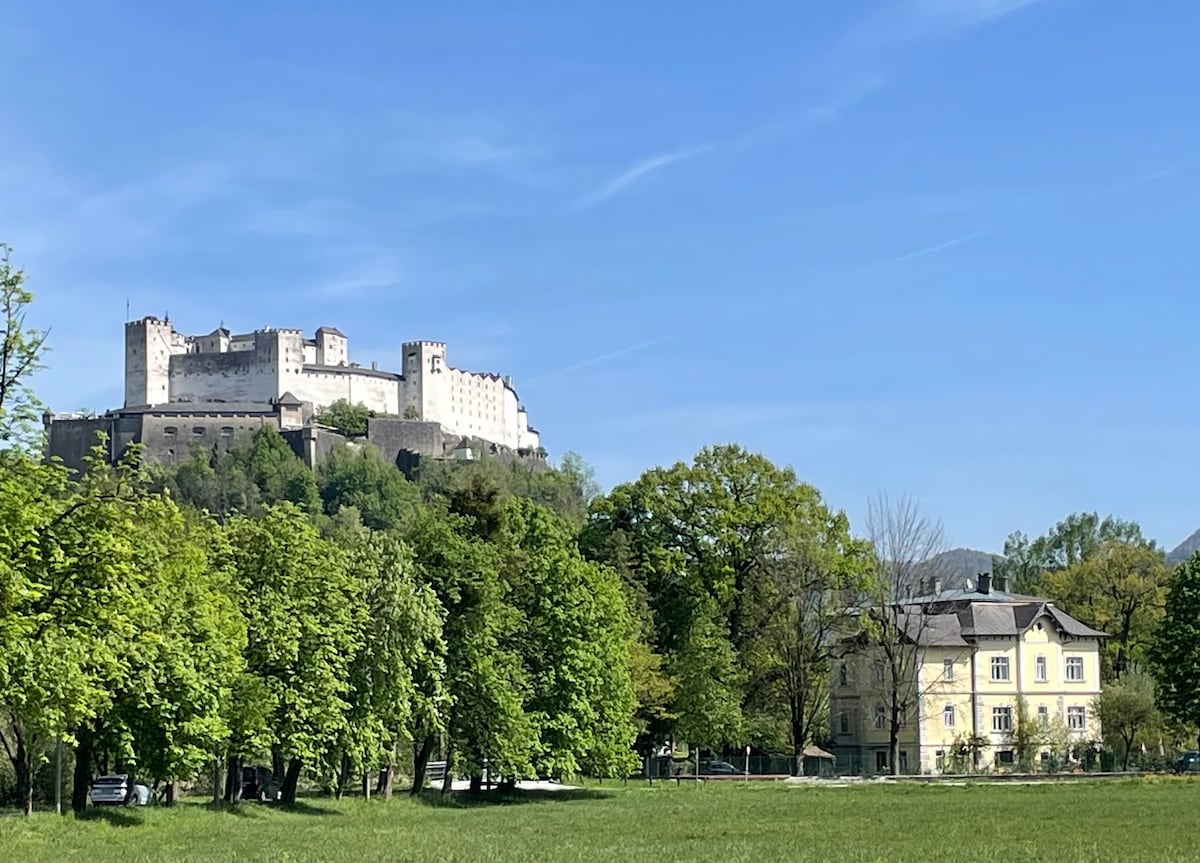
(374, 366)
(1001, 583)
(937, 586)
(985, 582)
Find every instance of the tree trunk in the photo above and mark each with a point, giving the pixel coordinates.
(233, 779)
(343, 777)
(385, 781)
(476, 783)
(894, 739)
(287, 793)
(278, 768)
(23, 771)
(508, 785)
(82, 778)
(420, 763)
(169, 794)
(448, 778)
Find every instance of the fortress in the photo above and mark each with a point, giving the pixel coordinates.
(184, 391)
(268, 365)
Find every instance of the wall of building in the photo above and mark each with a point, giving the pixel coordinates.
(324, 385)
(391, 436)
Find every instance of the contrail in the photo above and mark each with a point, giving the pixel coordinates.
(594, 361)
(932, 250)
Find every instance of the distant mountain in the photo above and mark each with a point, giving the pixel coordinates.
(1184, 550)
(955, 566)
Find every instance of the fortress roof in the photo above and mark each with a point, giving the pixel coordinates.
(333, 331)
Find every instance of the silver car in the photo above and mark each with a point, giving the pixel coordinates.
(116, 789)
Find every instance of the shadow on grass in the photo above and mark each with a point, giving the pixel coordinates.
(115, 815)
(468, 800)
(301, 807)
(253, 809)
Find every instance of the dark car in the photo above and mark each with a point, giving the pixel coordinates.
(718, 768)
(258, 783)
(1188, 762)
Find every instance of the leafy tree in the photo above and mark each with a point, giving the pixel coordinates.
(732, 548)
(348, 419)
(506, 477)
(362, 478)
(573, 646)
(1119, 588)
(581, 475)
(69, 599)
(277, 471)
(1175, 654)
(484, 718)
(168, 713)
(299, 603)
(21, 352)
(397, 677)
(1072, 541)
(1125, 707)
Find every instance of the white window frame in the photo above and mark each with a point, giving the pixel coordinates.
(1002, 720)
(948, 714)
(880, 717)
(1043, 714)
(1074, 662)
(948, 670)
(1000, 663)
(1073, 712)
(1040, 668)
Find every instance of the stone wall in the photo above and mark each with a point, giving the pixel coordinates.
(393, 436)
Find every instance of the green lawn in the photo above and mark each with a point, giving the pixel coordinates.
(1150, 819)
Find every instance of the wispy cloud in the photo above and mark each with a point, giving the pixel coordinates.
(594, 361)
(626, 179)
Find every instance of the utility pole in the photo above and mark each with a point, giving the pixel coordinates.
(58, 755)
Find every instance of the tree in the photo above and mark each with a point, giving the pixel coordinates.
(581, 475)
(1175, 654)
(277, 471)
(397, 678)
(70, 597)
(1119, 588)
(1125, 707)
(299, 603)
(905, 541)
(169, 712)
(347, 419)
(362, 478)
(573, 645)
(732, 548)
(483, 715)
(21, 352)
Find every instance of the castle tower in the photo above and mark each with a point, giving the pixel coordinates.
(426, 380)
(149, 344)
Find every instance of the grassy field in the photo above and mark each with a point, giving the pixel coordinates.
(1119, 820)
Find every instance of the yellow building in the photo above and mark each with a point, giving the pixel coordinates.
(972, 654)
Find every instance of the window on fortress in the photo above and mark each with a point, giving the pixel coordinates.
(170, 431)
(227, 431)
(198, 431)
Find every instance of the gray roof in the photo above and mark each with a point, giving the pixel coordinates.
(935, 630)
(288, 400)
(1071, 626)
(332, 331)
(355, 370)
(199, 408)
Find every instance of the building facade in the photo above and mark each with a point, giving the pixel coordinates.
(977, 655)
(163, 367)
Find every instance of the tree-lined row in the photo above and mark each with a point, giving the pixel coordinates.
(152, 635)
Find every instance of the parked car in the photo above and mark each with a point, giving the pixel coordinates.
(119, 789)
(259, 783)
(1188, 762)
(717, 768)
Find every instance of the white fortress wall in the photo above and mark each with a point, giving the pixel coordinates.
(324, 385)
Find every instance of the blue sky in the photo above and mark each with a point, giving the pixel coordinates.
(946, 248)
